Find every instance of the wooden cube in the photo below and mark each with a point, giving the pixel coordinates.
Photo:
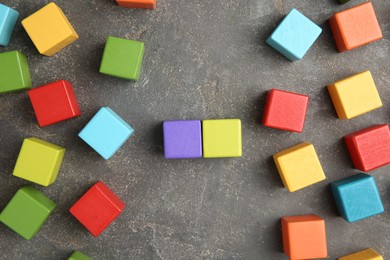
(49, 29)
(8, 18)
(54, 102)
(285, 110)
(222, 138)
(366, 254)
(27, 212)
(299, 166)
(97, 208)
(355, 27)
(146, 4)
(357, 197)
(39, 161)
(304, 237)
(370, 147)
(355, 95)
(14, 72)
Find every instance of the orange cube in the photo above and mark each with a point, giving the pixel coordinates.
(146, 4)
(355, 27)
(304, 237)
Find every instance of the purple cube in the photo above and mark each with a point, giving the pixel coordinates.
(182, 139)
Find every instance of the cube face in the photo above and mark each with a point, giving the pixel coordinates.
(122, 58)
(39, 161)
(304, 237)
(14, 72)
(357, 197)
(299, 166)
(54, 102)
(369, 148)
(27, 202)
(146, 4)
(355, 95)
(366, 254)
(182, 139)
(285, 110)
(294, 36)
(355, 27)
(106, 132)
(77, 255)
(49, 29)
(97, 208)
(8, 18)
(222, 138)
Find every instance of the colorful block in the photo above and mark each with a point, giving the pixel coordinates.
(97, 208)
(39, 161)
(370, 147)
(146, 4)
(8, 18)
(304, 237)
(14, 72)
(355, 95)
(77, 255)
(222, 138)
(285, 110)
(54, 102)
(182, 139)
(366, 254)
(49, 29)
(299, 166)
(27, 211)
(355, 27)
(357, 197)
(122, 58)
(294, 36)
(106, 132)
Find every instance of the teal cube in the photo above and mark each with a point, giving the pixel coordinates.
(77, 255)
(122, 58)
(27, 211)
(14, 72)
(8, 18)
(294, 36)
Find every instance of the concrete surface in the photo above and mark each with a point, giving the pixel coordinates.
(203, 59)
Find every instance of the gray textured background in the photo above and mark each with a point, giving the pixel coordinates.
(203, 59)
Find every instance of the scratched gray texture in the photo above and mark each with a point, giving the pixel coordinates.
(203, 59)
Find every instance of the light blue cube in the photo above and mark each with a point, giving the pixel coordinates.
(357, 197)
(106, 132)
(294, 36)
(8, 18)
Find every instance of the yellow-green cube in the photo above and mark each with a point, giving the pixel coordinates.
(222, 138)
(77, 255)
(39, 161)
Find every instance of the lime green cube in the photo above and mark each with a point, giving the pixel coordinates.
(27, 211)
(122, 58)
(14, 72)
(39, 161)
(77, 255)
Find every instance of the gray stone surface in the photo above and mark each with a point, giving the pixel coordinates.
(203, 59)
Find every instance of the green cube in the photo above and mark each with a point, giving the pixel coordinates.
(77, 255)
(27, 211)
(14, 72)
(122, 58)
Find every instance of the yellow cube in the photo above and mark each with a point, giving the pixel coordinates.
(49, 29)
(299, 166)
(367, 254)
(355, 95)
(222, 138)
(39, 161)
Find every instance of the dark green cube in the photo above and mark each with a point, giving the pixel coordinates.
(122, 58)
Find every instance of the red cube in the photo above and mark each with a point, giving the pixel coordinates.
(285, 110)
(54, 102)
(97, 208)
(370, 147)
